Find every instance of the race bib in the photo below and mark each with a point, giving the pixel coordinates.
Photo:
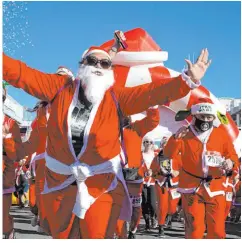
(136, 201)
(229, 196)
(175, 194)
(213, 160)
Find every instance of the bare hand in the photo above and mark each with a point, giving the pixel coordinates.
(122, 36)
(182, 132)
(149, 173)
(228, 165)
(175, 173)
(197, 70)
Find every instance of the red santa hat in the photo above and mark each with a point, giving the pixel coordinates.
(95, 49)
(204, 106)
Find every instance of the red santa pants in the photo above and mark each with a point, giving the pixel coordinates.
(100, 220)
(7, 219)
(201, 210)
(166, 204)
(39, 187)
(121, 229)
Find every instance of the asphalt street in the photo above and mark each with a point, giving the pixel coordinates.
(24, 230)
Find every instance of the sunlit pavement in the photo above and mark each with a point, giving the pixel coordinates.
(24, 230)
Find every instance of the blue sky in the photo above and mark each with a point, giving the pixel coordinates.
(61, 31)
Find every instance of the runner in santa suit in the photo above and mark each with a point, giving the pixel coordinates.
(11, 152)
(133, 171)
(36, 144)
(229, 192)
(166, 173)
(207, 154)
(83, 169)
(148, 192)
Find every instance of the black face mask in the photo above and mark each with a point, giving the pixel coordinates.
(203, 126)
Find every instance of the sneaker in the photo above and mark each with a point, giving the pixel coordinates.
(161, 232)
(169, 224)
(10, 235)
(147, 227)
(154, 223)
(131, 235)
(26, 203)
(34, 221)
(40, 230)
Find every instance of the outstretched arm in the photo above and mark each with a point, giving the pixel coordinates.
(138, 99)
(147, 124)
(162, 90)
(41, 85)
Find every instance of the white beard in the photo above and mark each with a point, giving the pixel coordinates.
(95, 85)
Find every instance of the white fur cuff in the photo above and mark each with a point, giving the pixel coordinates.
(153, 107)
(189, 82)
(8, 135)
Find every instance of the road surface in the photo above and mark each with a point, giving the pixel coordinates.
(24, 230)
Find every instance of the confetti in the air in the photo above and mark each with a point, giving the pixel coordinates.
(15, 26)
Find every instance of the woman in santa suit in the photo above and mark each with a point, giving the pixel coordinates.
(148, 192)
(12, 151)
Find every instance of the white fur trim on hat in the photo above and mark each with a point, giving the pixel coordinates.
(204, 108)
(87, 53)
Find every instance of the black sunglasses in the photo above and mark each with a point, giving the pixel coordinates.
(149, 142)
(93, 61)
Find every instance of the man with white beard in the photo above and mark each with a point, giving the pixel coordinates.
(85, 192)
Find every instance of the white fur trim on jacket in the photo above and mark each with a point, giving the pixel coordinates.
(189, 82)
(87, 53)
(153, 107)
(9, 135)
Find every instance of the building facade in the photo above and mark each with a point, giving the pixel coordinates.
(233, 106)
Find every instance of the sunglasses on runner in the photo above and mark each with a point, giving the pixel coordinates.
(149, 142)
(93, 61)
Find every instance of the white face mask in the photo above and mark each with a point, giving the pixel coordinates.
(95, 82)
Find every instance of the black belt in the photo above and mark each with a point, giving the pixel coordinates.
(207, 179)
(73, 183)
